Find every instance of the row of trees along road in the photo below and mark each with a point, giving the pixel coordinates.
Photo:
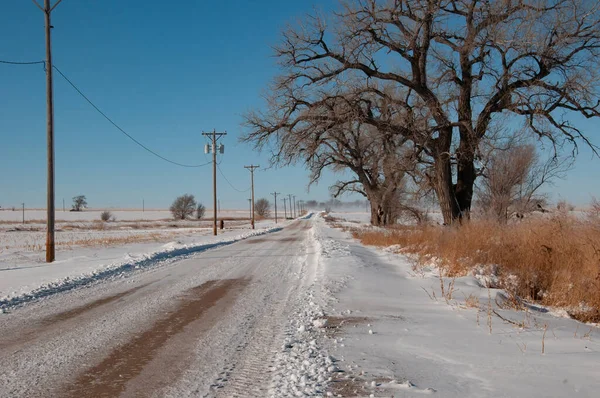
(414, 93)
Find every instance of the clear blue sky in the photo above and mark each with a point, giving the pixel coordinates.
(165, 73)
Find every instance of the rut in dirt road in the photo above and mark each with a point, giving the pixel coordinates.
(110, 378)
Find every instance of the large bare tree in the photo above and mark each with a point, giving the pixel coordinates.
(348, 128)
(462, 63)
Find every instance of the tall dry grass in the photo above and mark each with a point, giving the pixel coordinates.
(554, 261)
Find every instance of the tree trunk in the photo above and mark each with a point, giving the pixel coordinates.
(381, 211)
(465, 181)
(444, 188)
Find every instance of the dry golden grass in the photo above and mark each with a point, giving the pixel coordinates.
(472, 301)
(107, 241)
(115, 240)
(550, 261)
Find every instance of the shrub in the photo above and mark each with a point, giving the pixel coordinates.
(200, 211)
(594, 210)
(106, 216)
(262, 207)
(183, 207)
(564, 206)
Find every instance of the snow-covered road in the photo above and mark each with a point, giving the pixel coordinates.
(209, 325)
(302, 311)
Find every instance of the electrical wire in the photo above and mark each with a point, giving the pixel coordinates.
(22, 63)
(228, 182)
(103, 114)
(120, 129)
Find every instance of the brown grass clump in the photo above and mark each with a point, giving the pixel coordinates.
(552, 261)
(472, 301)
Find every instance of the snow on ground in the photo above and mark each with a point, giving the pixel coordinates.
(16, 215)
(362, 323)
(394, 333)
(361, 217)
(25, 276)
(352, 218)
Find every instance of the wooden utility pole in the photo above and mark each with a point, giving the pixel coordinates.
(47, 10)
(275, 194)
(23, 204)
(251, 168)
(290, 205)
(214, 138)
(295, 214)
(284, 208)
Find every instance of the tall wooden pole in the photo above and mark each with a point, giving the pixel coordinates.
(214, 150)
(50, 253)
(295, 214)
(251, 168)
(275, 194)
(214, 137)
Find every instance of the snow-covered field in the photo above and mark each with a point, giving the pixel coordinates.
(37, 215)
(363, 217)
(318, 314)
(84, 253)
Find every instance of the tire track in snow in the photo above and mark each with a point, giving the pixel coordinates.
(111, 376)
(52, 323)
(249, 374)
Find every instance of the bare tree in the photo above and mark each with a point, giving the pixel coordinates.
(262, 207)
(513, 178)
(79, 203)
(593, 211)
(348, 128)
(461, 63)
(183, 207)
(200, 211)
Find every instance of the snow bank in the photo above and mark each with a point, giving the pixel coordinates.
(405, 338)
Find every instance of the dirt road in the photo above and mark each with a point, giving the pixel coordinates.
(208, 325)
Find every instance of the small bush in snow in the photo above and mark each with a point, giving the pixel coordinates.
(183, 207)
(200, 211)
(106, 216)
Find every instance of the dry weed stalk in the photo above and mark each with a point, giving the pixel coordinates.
(489, 310)
(544, 338)
(432, 299)
(472, 301)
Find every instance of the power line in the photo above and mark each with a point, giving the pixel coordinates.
(228, 182)
(121, 130)
(103, 114)
(22, 63)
